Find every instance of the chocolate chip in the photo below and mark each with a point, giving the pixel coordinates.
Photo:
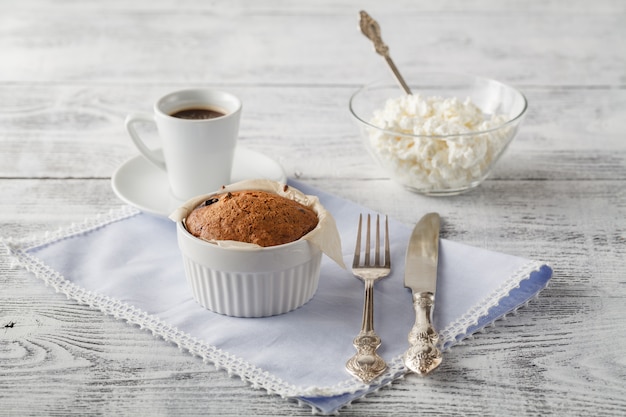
(210, 201)
(285, 188)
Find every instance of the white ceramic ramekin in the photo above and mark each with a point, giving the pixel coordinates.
(245, 282)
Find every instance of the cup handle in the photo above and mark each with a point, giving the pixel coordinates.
(152, 156)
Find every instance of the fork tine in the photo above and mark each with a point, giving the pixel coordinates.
(367, 243)
(377, 255)
(357, 247)
(387, 250)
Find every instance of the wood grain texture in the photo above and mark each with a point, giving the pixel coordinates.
(78, 132)
(71, 71)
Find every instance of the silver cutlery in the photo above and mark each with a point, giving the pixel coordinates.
(422, 257)
(366, 364)
(371, 29)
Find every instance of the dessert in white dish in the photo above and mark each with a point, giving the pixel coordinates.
(244, 279)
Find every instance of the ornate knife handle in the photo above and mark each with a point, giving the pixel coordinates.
(423, 355)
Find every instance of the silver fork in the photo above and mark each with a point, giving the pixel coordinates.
(366, 364)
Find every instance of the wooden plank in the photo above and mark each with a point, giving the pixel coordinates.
(77, 131)
(533, 219)
(235, 45)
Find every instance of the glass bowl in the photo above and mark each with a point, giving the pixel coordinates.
(446, 138)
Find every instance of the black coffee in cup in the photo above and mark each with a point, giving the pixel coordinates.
(198, 113)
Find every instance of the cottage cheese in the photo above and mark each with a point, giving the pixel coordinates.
(438, 160)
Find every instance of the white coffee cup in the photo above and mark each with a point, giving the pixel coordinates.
(197, 153)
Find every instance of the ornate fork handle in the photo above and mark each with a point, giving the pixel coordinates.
(366, 364)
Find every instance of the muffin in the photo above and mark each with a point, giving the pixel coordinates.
(251, 216)
(229, 275)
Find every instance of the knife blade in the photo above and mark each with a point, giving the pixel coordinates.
(420, 275)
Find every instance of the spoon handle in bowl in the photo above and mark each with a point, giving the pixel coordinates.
(371, 29)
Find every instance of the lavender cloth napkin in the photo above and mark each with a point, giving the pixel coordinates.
(127, 264)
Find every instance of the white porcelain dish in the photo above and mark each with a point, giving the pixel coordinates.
(244, 280)
(250, 282)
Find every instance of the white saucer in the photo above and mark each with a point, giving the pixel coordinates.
(143, 185)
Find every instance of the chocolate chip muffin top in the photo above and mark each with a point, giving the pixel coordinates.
(258, 217)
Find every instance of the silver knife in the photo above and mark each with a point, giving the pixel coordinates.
(420, 275)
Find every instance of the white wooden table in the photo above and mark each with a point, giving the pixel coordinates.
(70, 72)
